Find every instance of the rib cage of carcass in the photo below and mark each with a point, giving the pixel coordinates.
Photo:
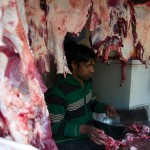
(23, 114)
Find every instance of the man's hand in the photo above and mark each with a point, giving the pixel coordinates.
(110, 111)
(95, 134)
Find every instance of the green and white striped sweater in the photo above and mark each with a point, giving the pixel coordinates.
(70, 106)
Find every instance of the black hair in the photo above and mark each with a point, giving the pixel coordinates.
(77, 53)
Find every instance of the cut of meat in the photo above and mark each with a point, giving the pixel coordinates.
(112, 29)
(11, 145)
(111, 144)
(64, 16)
(142, 15)
(21, 10)
(111, 26)
(38, 34)
(24, 116)
(100, 20)
(136, 132)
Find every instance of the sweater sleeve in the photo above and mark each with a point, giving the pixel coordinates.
(57, 108)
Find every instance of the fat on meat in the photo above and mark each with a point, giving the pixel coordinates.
(11, 145)
(21, 10)
(142, 15)
(111, 26)
(135, 133)
(36, 19)
(99, 21)
(24, 117)
(64, 16)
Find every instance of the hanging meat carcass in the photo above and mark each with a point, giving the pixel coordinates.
(142, 15)
(64, 16)
(24, 116)
(111, 26)
(38, 34)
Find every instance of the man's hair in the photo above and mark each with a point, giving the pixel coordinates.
(77, 53)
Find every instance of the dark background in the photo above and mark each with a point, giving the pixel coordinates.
(139, 1)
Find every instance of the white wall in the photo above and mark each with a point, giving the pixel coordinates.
(140, 84)
(134, 91)
(106, 82)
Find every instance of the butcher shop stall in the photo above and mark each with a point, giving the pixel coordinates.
(32, 36)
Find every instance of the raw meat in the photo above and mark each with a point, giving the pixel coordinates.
(111, 144)
(111, 26)
(11, 145)
(142, 15)
(38, 34)
(112, 30)
(64, 16)
(24, 116)
(99, 25)
(137, 132)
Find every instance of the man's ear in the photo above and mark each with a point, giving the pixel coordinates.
(74, 65)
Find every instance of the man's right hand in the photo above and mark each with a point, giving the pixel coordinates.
(96, 135)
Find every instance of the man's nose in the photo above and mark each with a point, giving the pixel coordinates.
(92, 69)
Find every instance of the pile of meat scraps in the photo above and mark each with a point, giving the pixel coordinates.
(136, 132)
(24, 116)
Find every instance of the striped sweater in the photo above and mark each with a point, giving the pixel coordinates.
(70, 106)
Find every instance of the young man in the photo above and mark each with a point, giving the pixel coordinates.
(71, 103)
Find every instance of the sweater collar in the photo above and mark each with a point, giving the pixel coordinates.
(73, 80)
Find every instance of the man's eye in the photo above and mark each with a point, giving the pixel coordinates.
(87, 66)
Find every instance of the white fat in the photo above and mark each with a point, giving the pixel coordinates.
(128, 48)
(3, 64)
(11, 145)
(17, 42)
(10, 19)
(4, 3)
(16, 51)
(133, 148)
(1, 35)
(21, 8)
(17, 130)
(143, 28)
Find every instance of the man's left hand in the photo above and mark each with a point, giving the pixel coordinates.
(110, 111)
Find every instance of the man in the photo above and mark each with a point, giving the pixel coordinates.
(71, 103)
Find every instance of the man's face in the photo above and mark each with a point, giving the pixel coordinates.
(85, 70)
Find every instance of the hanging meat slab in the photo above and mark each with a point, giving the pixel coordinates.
(111, 26)
(142, 15)
(64, 16)
(36, 19)
(24, 116)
